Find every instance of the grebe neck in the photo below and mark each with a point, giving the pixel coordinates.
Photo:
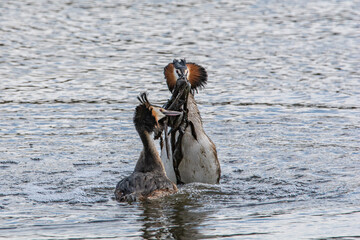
(149, 160)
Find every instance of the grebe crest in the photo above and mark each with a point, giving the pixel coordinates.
(149, 117)
(194, 73)
(146, 116)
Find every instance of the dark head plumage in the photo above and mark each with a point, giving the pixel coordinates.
(143, 117)
(147, 117)
(180, 65)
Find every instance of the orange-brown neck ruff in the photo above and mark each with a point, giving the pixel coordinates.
(197, 76)
(170, 76)
(154, 114)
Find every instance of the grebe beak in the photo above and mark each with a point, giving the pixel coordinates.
(160, 113)
(170, 113)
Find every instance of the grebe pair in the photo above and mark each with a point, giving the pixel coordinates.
(192, 156)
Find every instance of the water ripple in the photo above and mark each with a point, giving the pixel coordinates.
(281, 104)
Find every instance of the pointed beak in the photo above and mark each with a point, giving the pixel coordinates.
(160, 113)
(169, 113)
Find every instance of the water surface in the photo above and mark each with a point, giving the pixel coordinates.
(281, 104)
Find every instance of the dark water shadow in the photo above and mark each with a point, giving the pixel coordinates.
(176, 217)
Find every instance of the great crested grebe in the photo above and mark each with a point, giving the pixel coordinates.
(149, 178)
(193, 157)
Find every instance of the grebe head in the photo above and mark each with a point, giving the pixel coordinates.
(149, 117)
(180, 70)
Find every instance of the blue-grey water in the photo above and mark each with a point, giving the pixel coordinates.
(282, 105)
